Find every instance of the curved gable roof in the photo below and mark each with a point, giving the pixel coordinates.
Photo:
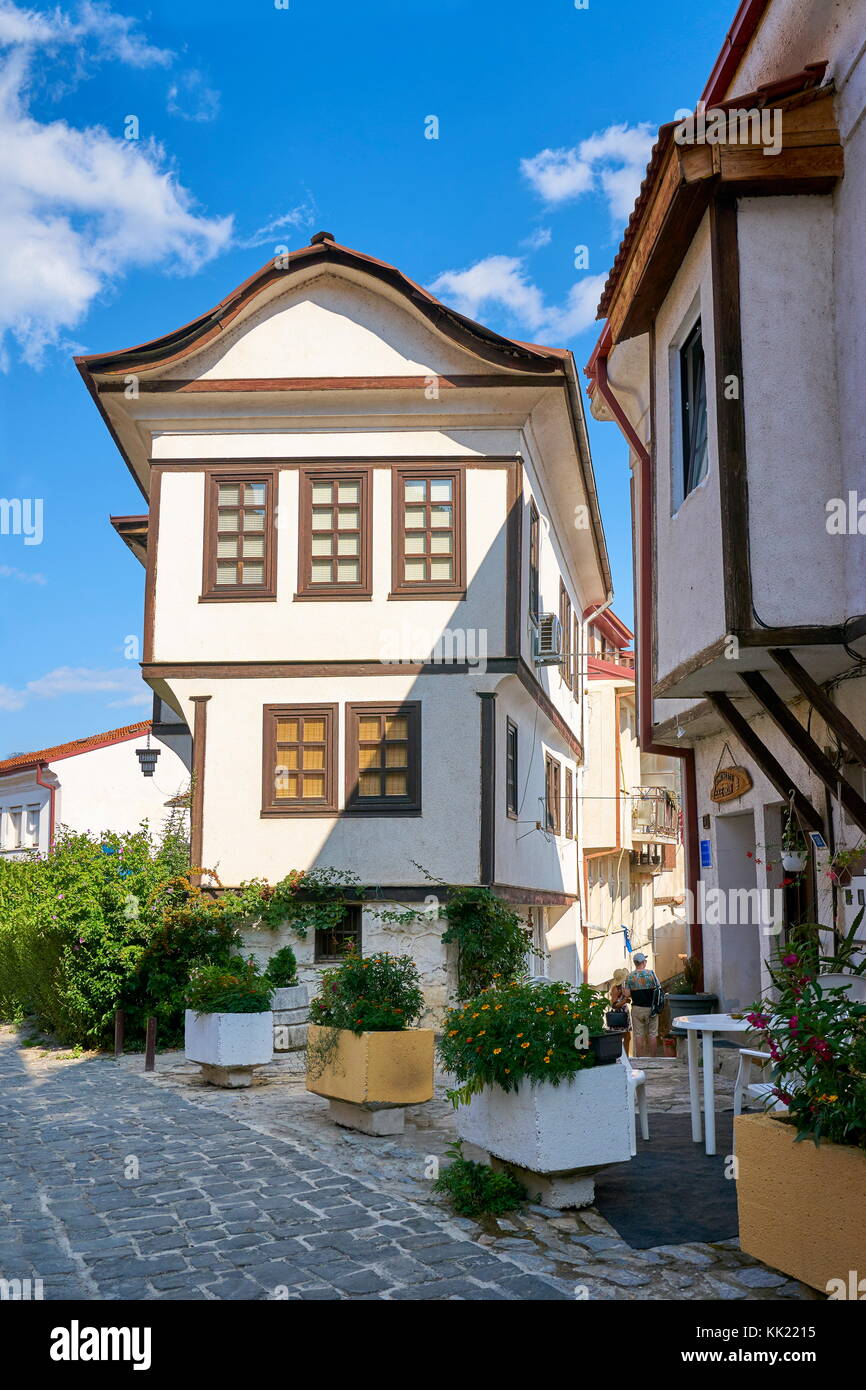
(324, 251)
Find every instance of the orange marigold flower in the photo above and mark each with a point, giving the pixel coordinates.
(518, 1035)
(524, 1044)
(468, 1039)
(484, 1006)
(481, 1032)
(453, 1033)
(496, 1051)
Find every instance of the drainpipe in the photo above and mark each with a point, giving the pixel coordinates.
(581, 773)
(52, 793)
(644, 578)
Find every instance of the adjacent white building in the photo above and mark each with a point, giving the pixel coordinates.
(734, 360)
(371, 534)
(90, 784)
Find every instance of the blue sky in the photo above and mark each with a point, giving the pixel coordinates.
(257, 126)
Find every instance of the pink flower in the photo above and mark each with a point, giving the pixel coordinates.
(793, 1023)
(791, 960)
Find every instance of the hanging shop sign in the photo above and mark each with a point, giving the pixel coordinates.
(729, 783)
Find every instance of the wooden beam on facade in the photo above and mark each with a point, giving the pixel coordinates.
(820, 700)
(785, 719)
(763, 758)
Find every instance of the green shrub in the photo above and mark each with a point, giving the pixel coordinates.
(281, 970)
(106, 922)
(377, 994)
(237, 987)
(491, 939)
(521, 1032)
(477, 1190)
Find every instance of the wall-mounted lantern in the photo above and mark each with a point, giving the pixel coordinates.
(147, 757)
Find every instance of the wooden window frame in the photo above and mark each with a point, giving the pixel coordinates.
(576, 656)
(565, 614)
(356, 805)
(320, 955)
(211, 592)
(569, 804)
(552, 794)
(427, 588)
(271, 806)
(511, 776)
(307, 588)
(689, 401)
(534, 563)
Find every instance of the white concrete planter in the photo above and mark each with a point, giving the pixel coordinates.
(228, 1047)
(554, 1137)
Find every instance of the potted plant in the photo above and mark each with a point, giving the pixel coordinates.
(289, 1001)
(838, 868)
(531, 1089)
(817, 1040)
(685, 996)
(794, 851)
(228, 1027)
(363, 1052)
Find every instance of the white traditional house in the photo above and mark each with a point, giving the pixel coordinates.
(367, 517)
(734, 360)
(632, 857)
(91, 784)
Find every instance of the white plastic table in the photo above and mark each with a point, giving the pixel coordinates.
(707, 1024)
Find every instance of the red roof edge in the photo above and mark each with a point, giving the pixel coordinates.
(21, 762)
(732, 52)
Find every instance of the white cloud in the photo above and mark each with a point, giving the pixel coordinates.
(97, 28)
(612, 161)
(299, 217)
(540, 237)
(10, 572)
(192, 98)
(502, 282)
(124, 681)
(81, 208)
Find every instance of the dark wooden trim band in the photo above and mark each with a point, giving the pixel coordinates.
(785, 719)
(211, 385)
(370, 894)
(488, 787)
(730, 413)
(196, 830)
(546, 705)
(758, 751)
(820, 700)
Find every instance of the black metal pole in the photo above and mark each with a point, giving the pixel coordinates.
(118, 1032)
(150, 1046)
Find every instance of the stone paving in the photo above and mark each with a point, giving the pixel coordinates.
(116, 1184)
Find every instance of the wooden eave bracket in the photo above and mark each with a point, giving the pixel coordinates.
(811, 160)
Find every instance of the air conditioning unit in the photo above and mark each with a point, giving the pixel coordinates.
(548, 640)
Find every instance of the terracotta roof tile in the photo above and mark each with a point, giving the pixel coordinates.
(78, 745)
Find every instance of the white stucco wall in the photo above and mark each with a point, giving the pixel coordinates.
(101, 789)
(688, 543)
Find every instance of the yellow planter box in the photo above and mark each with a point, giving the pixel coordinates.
(371, 1068)
(802, 1207)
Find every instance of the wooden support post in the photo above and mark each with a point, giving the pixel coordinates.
(820, 701)
(150, 1046)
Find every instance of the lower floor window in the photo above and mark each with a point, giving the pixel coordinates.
(335, 943)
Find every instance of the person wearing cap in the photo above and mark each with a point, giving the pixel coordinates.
(642, 984)
(619, 999)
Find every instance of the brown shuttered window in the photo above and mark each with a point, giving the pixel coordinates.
(565, 620)
(383, 758)
(334, 549)
(552, 803)
(569, 804)
(300, 760)
(428, 532)
(534, 589)
(240, 538)
(511, 769)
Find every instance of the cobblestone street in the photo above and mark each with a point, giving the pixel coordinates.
(115, 1185)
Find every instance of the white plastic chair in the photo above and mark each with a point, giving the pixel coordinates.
(637, 1094)
(755, 1090)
